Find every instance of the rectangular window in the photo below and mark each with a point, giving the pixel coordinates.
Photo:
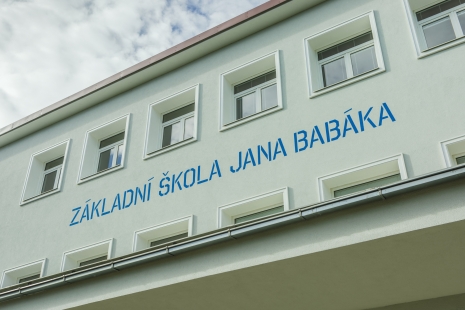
(348, 59)
(343, 54)
(178, 125)
(254, 208)
(250, 91)
(163, 233)
(257, 215)
(104, 149)
(256, 95)
(169, 239)
(367, 185)
(52, 175)
(92, 261)
(111, 152)
(375, 174)
(460, 160)
(441, 23)
(29, 278)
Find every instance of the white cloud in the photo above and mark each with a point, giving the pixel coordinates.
(51, 49)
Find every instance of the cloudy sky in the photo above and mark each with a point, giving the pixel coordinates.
(50, 49)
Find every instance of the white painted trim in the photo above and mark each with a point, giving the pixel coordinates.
(149, 124)
(227, 213)
(190, 224)
(85, 145)
(326, 193)
(458, 143)
(419, 43)
(315, 88)
(277, 67)
(62, 173)
(18, 268)
(86, 248)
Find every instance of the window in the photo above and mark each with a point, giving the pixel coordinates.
(104, 149)
(178, 125)
(348, 59)
(254, 208)
(436, 24)
(92, 260)
(111, 152)
(45, 172)
(454, 151)
(257, 215)
(250, 91)
(343, 54)
(256, 95)
(371, 175)
(87, 255)
(163, 233)
(23, 274)
(172, 122)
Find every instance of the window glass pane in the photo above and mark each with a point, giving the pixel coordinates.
(30, 278)
(438, 32)
(245, 106)
(54, 163)
(171, 134)
(364, 61)
(106, 159)
(461, 16)
(179, 112)
(367, 185)
(255, 82)
(93, 260)
(334, 72)
(258, 215)
(119, 156)
(189, 128)
(460, 160)
(269, 97)
(49, 181)
(164, 240)
(112, 140)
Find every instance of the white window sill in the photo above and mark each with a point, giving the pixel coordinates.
(99, 174)
(352, 80)
(441, 47)
(170, 147)
(250, 118)
(40, 196)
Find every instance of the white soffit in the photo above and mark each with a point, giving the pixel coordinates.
(207, 42)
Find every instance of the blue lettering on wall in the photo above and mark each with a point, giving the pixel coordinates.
(170, 183)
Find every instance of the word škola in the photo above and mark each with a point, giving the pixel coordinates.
(328, 132)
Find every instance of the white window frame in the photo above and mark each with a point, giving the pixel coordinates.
(12, 276)
(416, 27)
(258, 95)
(332, 36)
(228, 213)
(72, 259)
(36, 172)
(361, 174)
(115, 146)
(451, 149)
(155, 125)
(229, 79)
(144, 237)
(91, 150)
(347, 60)
(57, 177)
(182, 119)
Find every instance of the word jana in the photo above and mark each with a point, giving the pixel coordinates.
(331, 131)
